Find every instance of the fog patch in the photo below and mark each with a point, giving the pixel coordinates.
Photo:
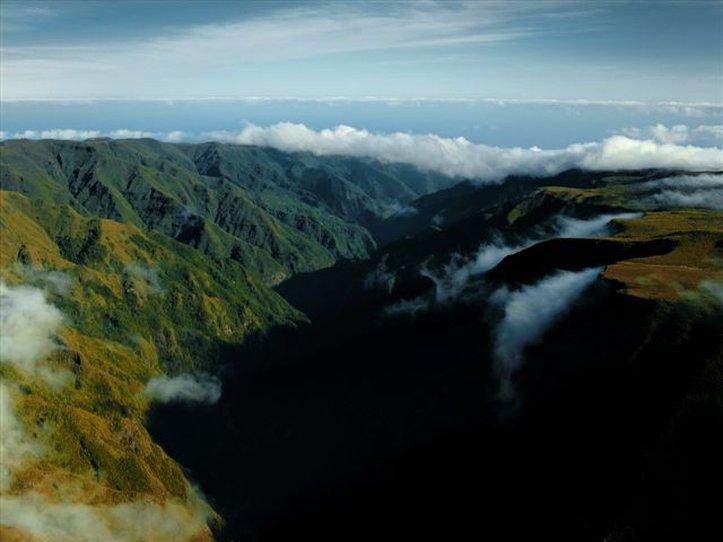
(53, 521)
(380, 277)
(184, 388)
(568, 227)
(528, 314)
(704, 180)
(16, 445)
(396, 209)
(408, 307)
(452, 278)
(147, 278)
(703, 191)
(714, 288)
(28, 326)
(57, 282)
(704, 199)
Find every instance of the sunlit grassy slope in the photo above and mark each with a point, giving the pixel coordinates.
(135, 303)
(684, 272)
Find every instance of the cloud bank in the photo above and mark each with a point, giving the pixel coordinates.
(458, 157)
(528, 314)
(184, 388)
(455, 157)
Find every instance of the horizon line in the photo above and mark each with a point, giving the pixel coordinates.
(377, 99)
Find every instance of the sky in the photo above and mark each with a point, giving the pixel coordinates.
(503, 73)
(646, 51)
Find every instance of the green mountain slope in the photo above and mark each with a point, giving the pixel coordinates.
(131, 305)
(274, 212)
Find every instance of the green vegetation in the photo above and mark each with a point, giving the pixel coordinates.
(275, 213)
(135, 303)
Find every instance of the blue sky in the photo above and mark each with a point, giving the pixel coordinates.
(546, 74)
(646, 51)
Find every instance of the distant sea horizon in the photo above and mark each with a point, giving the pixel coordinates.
(506, 123)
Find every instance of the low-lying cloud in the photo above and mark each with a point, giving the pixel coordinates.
(528, 314)
(184, 388)
(704, 180)
(51, 521)
(455, 157)
(407, 307)
(452, 278)
(709, 199)
(702, 191)
(147, 278)
(458, 157)
(590, 227)
(28, 325)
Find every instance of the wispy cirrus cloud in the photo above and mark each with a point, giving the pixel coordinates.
(398, 49)
(311, 31)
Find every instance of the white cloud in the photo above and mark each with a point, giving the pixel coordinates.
(52, 521)
(528, 314)
(54, 281)
(460, 158)
(703, 191)
(702, 181)
(708, 134)
(590, 227)
(452, 279)
(28, 324)
(278, 35)
(184, 388)
(705, 199)
(147, 278)
(47, 520)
